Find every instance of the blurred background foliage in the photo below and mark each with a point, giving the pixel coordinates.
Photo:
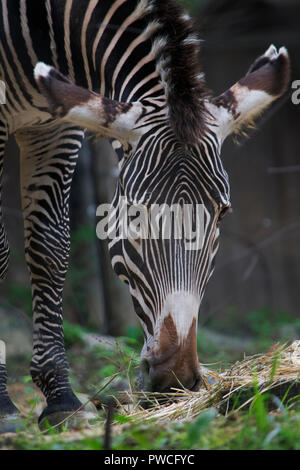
(253, 298)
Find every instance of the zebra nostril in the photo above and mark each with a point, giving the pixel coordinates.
(196, 386)
(144, 375)
(166, 382)
(145, 366)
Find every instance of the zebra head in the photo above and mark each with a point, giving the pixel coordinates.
(170, 163)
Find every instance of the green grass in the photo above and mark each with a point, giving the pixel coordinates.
(255, 429)
(246, 429)
(252, 428)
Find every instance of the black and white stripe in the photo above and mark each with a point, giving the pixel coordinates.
(163, 171)
(131, 51)
(127, 50)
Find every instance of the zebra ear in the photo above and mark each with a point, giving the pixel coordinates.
(87, 109)
(266, 80)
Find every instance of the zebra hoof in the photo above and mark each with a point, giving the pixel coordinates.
(71, 420)
(11, 424)
(64, 420)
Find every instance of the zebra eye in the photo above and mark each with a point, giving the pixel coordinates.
(222, 214)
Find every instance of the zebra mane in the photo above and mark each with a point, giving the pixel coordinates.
(176, 48)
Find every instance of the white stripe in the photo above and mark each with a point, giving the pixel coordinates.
(26, 83)
(104, 24)
(26, 33)
(67, 18)
(51, 30)
(92, 5)
(133, 72)
(140, 9)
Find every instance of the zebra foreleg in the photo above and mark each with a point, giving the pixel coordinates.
(4, 248)
(48, 160)
(9, 414)
(10, 420)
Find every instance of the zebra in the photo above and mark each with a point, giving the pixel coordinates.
(127, 70)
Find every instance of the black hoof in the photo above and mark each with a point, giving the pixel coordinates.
(10, 418)
(11, 424)
(64, 420)
(57, 417)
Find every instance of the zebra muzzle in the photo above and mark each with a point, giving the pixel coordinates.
(174, 364)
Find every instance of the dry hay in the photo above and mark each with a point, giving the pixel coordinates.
(277, 370)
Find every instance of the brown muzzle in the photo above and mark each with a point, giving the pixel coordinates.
(174, 364)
